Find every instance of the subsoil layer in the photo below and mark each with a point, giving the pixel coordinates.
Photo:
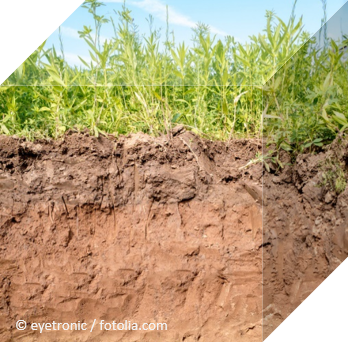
(162, 230)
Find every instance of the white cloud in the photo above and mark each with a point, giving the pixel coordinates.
(158, 9)
(73, 59)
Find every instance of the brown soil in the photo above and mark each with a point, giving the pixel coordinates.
(149, 230)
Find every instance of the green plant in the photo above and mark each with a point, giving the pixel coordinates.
(333, 176)
(266, 159)
(218, 88)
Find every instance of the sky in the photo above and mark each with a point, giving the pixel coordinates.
(239, 19)
(337, 25)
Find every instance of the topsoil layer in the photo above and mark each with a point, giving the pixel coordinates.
(161, 230)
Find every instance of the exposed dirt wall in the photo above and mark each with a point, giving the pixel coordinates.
(149, 230)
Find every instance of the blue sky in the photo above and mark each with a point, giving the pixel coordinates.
(236, 18)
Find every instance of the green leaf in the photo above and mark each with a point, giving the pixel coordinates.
(57, 78)
(224, 107)
(328, 82)
(84, 62)
(341, 116)
(317, 140)
(324, 115)
(5, 129)
(176, 117)
(280, 163)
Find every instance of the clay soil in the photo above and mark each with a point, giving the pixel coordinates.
(162, 230)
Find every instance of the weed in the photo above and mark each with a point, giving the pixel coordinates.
(146, 83)
(272, 157)
(333, 176)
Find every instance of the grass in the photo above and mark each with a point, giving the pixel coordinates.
(333, 176)
(219, 88)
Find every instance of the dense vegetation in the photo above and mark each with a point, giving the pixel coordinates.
(214, 87)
